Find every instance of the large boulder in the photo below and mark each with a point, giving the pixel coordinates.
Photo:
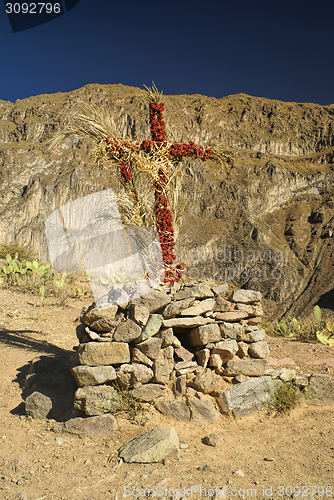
(157, 445)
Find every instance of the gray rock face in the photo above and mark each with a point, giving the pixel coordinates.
(198, 411)
(127, 331)
(152, 327)
(98, 427)
(203, 335)
(198, 291)
(246, 296)
(247, 397)
(97, 400)
(93, 375)
(161, 443)
(200, 308)
(254, 336)
(321, 389)
(102, 354)
(250, 367)
(150, 347)
(38, 406)
(258, 349)
(133, 375)
(187, 322)
(176, 307)
(153, 301)
(149, 392)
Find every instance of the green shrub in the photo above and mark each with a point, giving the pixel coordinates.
(284, 398)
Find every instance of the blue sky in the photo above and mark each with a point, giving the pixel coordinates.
(279, 50)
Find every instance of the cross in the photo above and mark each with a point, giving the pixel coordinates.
(157, 157)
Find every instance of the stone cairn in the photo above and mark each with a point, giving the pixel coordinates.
(180, 346)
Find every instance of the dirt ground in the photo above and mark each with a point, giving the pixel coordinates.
(293, 453)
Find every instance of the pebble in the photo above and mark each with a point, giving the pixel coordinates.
(183, 446)
(60, 440)
(269, 459)
(213, 439)
(47, 442)
(239, 473)
(205, 468)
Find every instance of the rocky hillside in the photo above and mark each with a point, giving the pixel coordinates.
(265, 221)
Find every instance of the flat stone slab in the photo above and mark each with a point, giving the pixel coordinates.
(246, 296)
(153, 301)
(250, 367)
(247, 397)
(187, 322)
(232, 316)
(197, 410)
(199, 291)
(176, 307)
(221, 290)
(321, 389)
(149, 392)
(157, 445)
(93, 375)
(202, 307)
(95, 427)
(97, 400)
(102, 354)
(152, 327)
(92, 314)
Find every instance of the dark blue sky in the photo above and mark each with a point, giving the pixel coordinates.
(279, 50)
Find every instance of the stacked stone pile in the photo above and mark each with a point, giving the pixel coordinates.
(177, 341)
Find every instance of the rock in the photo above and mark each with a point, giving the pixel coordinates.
(254, 336)
(149, 392)
(139, 314)
(98, 427)
(153, 301)
(238, 379)
(207, 382)
(198, 291)
(167, 336)
(212, 440)
(139, 357)
(127, 331)
(92, 313)
(246, 296)
(163, 365)
(202, 335)
(198, 411)
(226, 349)
(258, 349)
(215, 361)
(104, 325)
(102, 354)
(250, 367)
(285, 374)
(242, 351)
(254, 321)
(251, 310)
(152, 327)
(232, 331)
(93, 375)
(157, 445)
(203, 357)
(151, 347)
(184, 367)
(321, 389)
(97, 337)
(232, 316)
(200, 308)
(301, 381)
(220, 290)
(176, 307)
(38, 406)
(222, 305)
(97, 400)
(180, 386)
(247, 397)
(187, 322)
(176, 342)
(183, 354)
(133, 375)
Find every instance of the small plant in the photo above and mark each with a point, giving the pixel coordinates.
(42, 294)
(129, 404)
(291, 329)
(283, 399)
(325, 332)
